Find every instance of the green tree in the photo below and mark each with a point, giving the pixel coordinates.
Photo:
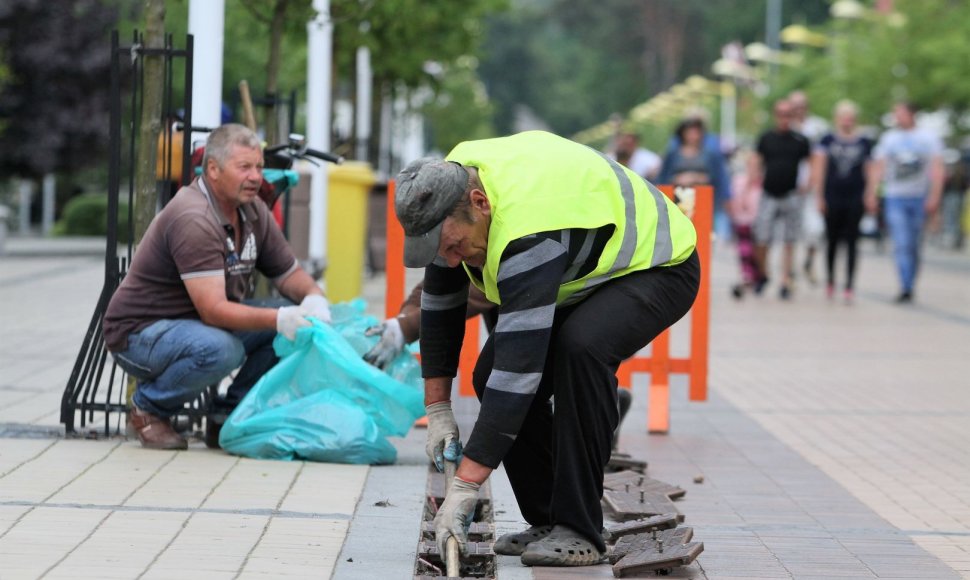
(53, 103)
(935, 52)
(918, 53)
(461, 96)
(403, 35)
(575, 63)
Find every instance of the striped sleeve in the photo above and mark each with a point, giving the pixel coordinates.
(529, 275)
(443, 303)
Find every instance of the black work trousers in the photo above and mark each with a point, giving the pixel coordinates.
(557, 461)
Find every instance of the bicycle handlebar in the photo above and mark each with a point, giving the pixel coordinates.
(180, 126)
(338, 159)
(293, 149)
(300, 153)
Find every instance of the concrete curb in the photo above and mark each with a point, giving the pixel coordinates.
(35, 247)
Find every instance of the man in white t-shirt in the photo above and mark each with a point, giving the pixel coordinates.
(909, 162)
(813, 224)
(629, 153)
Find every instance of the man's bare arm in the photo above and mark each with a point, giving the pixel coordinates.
(208, 294)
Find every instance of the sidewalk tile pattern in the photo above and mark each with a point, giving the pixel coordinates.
(833, 445)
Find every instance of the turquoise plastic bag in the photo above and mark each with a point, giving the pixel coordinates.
(323, 402)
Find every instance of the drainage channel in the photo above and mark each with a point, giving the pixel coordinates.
(479, 561)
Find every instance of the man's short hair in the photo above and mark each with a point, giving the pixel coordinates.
(219, 145)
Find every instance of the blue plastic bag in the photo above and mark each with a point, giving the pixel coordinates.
(323, 402)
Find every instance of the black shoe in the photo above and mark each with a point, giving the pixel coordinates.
(737, 291)
(213, 427)
(904, 298)
(784, 293)
(759, 286)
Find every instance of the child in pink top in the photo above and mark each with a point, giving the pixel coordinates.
(743, 208)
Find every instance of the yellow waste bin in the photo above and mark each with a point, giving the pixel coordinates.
(350, 183)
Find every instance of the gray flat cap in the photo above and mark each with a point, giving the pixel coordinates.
(427, 191)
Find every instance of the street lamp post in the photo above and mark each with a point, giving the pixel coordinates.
(731, 68)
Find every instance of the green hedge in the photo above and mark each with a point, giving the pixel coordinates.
(87, 215)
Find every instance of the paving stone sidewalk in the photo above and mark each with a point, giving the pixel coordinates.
(834, 445)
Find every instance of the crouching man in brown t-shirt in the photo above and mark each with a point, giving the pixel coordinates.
(180, 320)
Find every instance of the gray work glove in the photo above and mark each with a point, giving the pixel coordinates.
(289, 319)
(443, 442)
(389, 346)
(455, 515)
(316, 306)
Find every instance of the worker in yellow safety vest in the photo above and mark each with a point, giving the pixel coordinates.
(587, 263)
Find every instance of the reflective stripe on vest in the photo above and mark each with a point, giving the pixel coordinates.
(662, 245)
(538, 182)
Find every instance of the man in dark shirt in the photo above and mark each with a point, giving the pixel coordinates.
(178, 322)
(587, 263)
(776, 160)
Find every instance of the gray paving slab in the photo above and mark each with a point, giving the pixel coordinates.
(384, 534)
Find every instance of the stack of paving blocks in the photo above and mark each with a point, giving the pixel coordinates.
(648, 537)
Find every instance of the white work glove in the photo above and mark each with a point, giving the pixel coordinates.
(289, 319)
(443, 442)
(316, 306)
(455, 515)
(389, 346)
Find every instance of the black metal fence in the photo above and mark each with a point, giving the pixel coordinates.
(96, 393)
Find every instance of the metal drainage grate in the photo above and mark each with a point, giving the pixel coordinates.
(479, 562)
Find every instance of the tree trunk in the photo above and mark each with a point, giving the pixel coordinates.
(664, 49)
(273, 71)
(150, 123)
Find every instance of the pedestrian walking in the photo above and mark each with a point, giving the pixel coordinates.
(841, 165)
(775, 164)
(743, 209)
(813, 224)
(909, 161)
(691, 164)
(628, 152)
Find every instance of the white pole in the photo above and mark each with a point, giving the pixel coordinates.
(384, 143)
(207, 21)
(320, 48)
(47, 213)
(364, 75)
(26, 193)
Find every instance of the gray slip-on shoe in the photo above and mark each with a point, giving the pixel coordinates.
(562, 547)
(515, 544)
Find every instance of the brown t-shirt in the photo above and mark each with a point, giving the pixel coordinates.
(190, 238)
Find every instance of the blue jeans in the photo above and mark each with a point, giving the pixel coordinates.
(174, 361)
(905, 217)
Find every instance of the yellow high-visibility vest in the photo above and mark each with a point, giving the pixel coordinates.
(537, 182)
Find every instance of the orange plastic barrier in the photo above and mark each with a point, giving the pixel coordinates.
(659, 364)
(394, 262)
